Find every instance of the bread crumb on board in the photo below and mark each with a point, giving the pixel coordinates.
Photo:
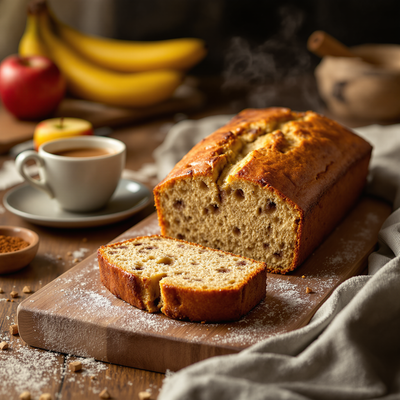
(104, 394)
(25, 396)
(309, 290)
(14, 294)
(14, 329)
(45, 396)
(75, 366)
(27, 289)
(144, 396)
(3, 346)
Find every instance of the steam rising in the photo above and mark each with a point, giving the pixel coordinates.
(275, 73)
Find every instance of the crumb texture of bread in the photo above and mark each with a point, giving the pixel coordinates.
(270, 185)
(183, 280)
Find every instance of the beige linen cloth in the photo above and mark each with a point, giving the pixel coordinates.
(351, 347)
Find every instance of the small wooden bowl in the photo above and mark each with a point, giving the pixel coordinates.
(365, 87)
(15, 260)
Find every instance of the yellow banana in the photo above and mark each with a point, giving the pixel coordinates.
(90, 82)
(30, 43)
(133, 56)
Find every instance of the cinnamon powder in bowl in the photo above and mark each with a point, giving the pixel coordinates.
(18, 247)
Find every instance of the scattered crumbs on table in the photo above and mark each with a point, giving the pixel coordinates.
(14, 294)
(24, 368)
(144, 395)
(104, 394)
(3, 346)
(45, 396)
(14, 329)
(27, 289)
(25, 395)
(75, 366)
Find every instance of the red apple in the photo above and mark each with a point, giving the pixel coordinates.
(31, 87)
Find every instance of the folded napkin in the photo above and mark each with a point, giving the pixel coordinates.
(351, 347)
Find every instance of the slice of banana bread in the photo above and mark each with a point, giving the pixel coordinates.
(181, 279)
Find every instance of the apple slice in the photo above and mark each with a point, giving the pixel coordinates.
(57, 128)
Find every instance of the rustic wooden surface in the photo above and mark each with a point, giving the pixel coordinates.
(23, 367)
(60, 316)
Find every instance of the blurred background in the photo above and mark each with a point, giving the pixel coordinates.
(256, 48)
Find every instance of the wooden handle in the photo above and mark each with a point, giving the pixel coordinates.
(322, 44)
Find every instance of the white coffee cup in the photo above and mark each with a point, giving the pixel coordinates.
(80, 173)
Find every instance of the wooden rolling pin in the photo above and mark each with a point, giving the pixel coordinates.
(322, 44)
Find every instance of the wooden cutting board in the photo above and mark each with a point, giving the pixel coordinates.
(13, 131)
(75, 314)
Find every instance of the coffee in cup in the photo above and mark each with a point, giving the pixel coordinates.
(80, 173)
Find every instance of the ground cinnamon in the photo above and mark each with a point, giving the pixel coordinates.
(9, 244)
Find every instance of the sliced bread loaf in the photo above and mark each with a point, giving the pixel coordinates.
(183, 280)
(270, 185)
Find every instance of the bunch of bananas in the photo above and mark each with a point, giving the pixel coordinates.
(114, 72)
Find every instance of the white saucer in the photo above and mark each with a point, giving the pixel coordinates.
(35, 206)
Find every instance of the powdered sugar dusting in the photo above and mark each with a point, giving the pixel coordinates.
(24, 368)
(270, 317)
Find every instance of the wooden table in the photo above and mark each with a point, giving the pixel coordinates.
(25, 368)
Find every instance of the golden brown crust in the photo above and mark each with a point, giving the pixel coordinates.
(299, 175)
(326, 161)
(120, 283)
(182, 302)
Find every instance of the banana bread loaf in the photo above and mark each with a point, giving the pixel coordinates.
(183, 280)
(270, 185)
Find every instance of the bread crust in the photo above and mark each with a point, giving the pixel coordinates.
(328, 162)
(120, 283)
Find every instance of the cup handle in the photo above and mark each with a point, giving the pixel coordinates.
(41, 183)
